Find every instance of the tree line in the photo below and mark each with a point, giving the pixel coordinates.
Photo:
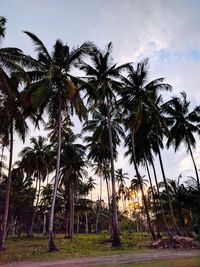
(115, 104)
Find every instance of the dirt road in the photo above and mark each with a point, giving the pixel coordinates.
(150, 255)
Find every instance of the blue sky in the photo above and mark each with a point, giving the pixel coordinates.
(165, 31)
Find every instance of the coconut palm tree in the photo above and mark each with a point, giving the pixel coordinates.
(121, 177)
(138, 97)
(102, 76)
(12, 120)
(11, 59)
(183, 125)
(104, 130)
(35, 162)
(121, 180)
(2, 26)
(56, 90)
(157, 128)
(91, 184)
(72, 172)
(103, 171)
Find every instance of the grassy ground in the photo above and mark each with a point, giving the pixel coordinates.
(83, 245)
(191, 262)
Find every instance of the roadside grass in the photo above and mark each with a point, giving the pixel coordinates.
(35, 249)
(189, 262)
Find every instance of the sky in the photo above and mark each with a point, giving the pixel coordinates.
(166, 31)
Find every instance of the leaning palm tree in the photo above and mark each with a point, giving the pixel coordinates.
(183, 125)
(138, 98)
(102, 77)
(56, 90)
(157, 128)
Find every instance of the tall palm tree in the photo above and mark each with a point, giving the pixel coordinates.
(102, 76)
(138, 97)
(183, 125)
(55, 89)
(157, 128)
(99, 148)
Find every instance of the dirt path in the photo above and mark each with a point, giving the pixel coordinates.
(150, 255)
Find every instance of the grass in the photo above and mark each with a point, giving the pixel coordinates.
(189, 262)
(35, 249)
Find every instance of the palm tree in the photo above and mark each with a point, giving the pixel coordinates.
(11, 59)
(102, 77)
(120, 178)
(22, 197)
(72, 172)
(91, 184)
(135, 184)
(2, 26)
(102, 169)
(138, 97)
(35, 161)
(12, 120)
(156, 126)
(99, 149)
(56, 91)
(183, 125)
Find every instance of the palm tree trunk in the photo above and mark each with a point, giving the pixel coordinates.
(44, 223)
(115, 227)
(141, 188)
(3, 226)
(151, 186)
(99, 207)
(36, 206)
(78, 223)
(167, 191)
(1, 162)
(51, 243)
(109, 205)
(195, 167)
(160, 199)
(86, 223)
(71, 211)
(154, 201)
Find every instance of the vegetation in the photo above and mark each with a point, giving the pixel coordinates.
(49, 189)
(35, 249)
